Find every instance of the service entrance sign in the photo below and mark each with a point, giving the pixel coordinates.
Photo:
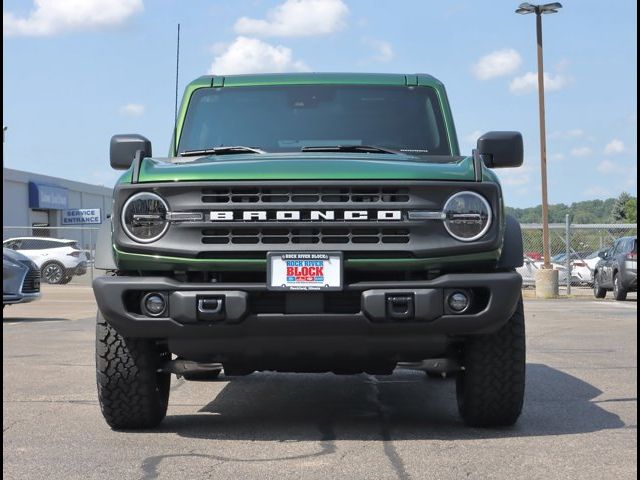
(81, 216)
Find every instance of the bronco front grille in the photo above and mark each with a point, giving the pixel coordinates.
(304, 236)
(358, 195)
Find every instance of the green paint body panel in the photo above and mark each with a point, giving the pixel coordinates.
(308, 166)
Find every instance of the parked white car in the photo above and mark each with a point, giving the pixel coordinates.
(583, 269)
(59, 260)
(528, 272)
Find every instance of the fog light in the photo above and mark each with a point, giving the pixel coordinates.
(154, 304)
(458, 302)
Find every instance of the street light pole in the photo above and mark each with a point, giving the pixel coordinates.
(539, 10)
(546, 249)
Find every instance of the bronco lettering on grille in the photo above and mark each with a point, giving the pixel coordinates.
(303, 215)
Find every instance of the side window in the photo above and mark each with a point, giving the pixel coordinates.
(13, 244)
(616, 248)
(29, 244)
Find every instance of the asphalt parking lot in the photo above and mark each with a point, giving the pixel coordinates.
(579, 421)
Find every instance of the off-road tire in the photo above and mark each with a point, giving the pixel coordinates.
(490, 389)
(598, 291)
(131, 392)
(619, 292)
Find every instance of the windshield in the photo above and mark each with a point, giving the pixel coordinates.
(287, 118)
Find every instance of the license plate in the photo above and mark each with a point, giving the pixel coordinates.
(304, 271)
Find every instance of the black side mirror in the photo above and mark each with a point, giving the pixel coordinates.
(501, 149)
(123, 149)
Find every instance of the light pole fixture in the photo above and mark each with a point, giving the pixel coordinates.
(539, 10)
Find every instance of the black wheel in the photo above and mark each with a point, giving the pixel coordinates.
(598, 291)
(131, 392)
(619, 292)
(490, 389)
(66, 280)
(53, 272)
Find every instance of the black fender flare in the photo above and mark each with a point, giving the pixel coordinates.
(104, 248)
(512, 255)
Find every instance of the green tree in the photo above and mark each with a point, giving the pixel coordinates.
(618, 213)
(631, 210)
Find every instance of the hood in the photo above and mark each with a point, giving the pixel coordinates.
(307, 166)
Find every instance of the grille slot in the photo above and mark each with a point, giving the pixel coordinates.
(304, 236)
(360, 195)
(31, 282)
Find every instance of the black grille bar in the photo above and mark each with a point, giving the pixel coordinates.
(319, 195)
(304, 236)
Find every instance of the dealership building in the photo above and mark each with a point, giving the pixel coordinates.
(40, 205)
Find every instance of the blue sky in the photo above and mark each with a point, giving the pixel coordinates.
(75, 75)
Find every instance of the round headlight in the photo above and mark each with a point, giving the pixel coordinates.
(144, 217)
(467, 216)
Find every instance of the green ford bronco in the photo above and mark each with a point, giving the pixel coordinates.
(310, 223)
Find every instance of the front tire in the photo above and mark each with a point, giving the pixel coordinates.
(53, 273)
(619, 292)
(598, 291)
(131, 391)
(490, 389)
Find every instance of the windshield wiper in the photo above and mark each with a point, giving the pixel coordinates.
(220, 151)
(349, 148)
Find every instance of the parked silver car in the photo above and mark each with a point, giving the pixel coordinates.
(528, 272)
(20, 278)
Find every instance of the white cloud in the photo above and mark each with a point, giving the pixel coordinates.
(132, 109)
(250, 55)
(615, 146)
(529, 83)
(516, 177)
(607, 166)
(472, 138)
(597, 191)
(50, 17)
(572, 133)
(498, 63)
(581, 151)
(556, 157)
(383, 50)
(297, 18)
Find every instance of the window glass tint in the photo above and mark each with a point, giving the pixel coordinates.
(634, 245)
(287, 118)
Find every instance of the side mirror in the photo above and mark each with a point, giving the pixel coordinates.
(501, 149)
(123, 150)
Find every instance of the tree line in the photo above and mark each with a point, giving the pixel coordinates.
(623, 209)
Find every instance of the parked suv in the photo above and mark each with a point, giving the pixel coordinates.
(617, 270)
(20, 278)
(310, 223)
(59, 260)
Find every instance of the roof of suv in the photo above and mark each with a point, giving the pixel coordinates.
(317, 79)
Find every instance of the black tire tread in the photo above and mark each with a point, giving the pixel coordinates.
(598, 291)
(132, 394)
(620, 293)
(491, 387)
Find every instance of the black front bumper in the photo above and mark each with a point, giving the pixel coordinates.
(370, 331)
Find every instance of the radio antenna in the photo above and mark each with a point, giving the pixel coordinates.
(175, 114)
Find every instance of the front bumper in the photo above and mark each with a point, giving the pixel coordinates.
(369, 331)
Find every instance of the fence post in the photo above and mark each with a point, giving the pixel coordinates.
(567, 240)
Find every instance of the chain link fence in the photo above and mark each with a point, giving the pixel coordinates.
(69, 251)
(64, 254)
(575, 251)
